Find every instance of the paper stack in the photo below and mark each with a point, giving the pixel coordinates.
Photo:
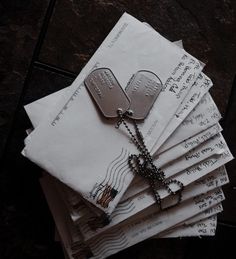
(99, 205)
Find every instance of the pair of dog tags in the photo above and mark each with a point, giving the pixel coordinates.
(138, 97)
(135, 102)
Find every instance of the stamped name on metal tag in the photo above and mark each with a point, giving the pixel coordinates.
(107, 92)
(143, 89)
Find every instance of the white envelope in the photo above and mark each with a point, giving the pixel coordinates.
(64, 229)
(163, 158)
(143, 201)
(203, 116)
(78, 142)
(204, 227)
(150, 224)
(200, 87)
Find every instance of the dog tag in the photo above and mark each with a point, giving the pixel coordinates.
(143, 89)
(107, 92)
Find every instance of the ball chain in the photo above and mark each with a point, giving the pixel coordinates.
(143, 165)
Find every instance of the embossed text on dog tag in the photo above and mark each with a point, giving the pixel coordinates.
(143, 89)
(107, 92)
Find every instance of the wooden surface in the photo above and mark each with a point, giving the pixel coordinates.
(44, 45)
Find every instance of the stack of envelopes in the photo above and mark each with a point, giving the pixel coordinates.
(100, 205)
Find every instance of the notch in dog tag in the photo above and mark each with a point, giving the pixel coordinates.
(143, 89)
(107, 92)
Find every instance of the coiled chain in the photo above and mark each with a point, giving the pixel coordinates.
(143, 165)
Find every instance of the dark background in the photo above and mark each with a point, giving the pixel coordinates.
(43, 46)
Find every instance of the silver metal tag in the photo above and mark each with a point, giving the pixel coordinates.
(143, 89)
(107, 92)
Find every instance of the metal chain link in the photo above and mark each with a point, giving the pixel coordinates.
(143, 165)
